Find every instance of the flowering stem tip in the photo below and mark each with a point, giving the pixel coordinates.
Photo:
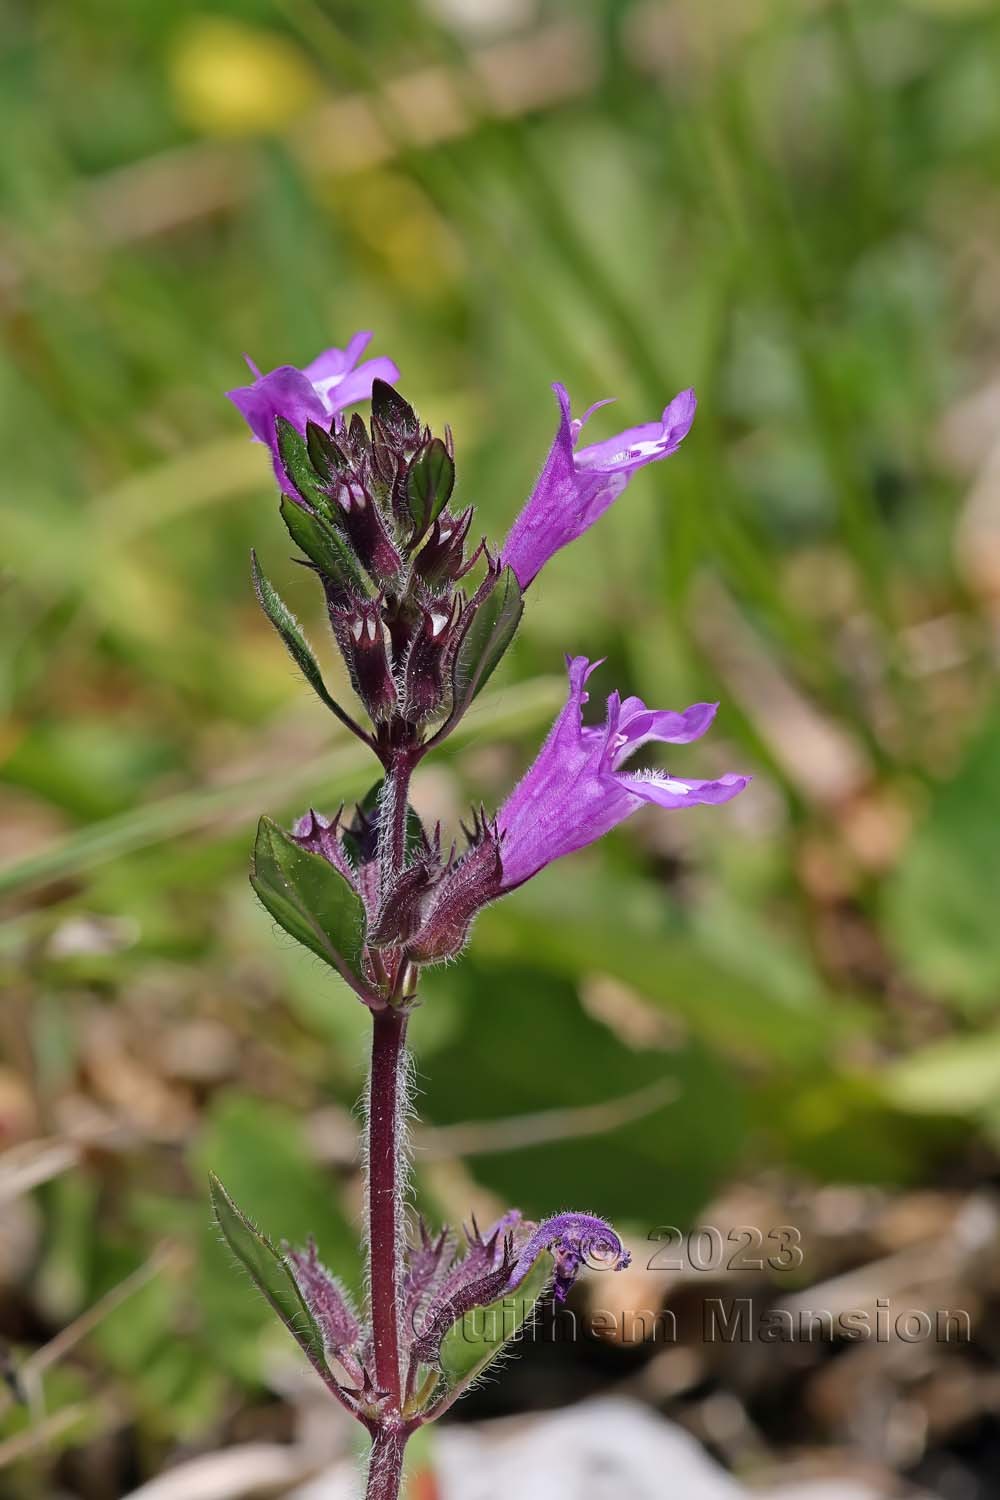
(422, 614)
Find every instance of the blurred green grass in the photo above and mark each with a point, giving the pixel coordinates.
(787, 206)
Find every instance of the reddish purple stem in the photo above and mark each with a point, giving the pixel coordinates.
(389, 1030)
(385, 1469)
(384, 1211)
(385, 1186)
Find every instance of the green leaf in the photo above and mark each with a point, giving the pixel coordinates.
(290, 630)
(298, 465)
(479, 1336)
(324, 546)
(429, 484)
(270, 1273)
(485, 640)
(311, 900)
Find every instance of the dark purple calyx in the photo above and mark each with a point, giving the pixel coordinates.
(361, 636)
(480, 1277)
(323, 836)
(427, 659)
(466, 885)
(427, 1263)
(331, 1307)
(400, 913)
(441, 560)
(367, 530)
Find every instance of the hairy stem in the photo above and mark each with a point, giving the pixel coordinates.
(395, 805)
(386, 1167)
(385, 1189)
(385, 1463)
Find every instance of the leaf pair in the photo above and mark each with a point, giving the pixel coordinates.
(313, 900)
(466, 1350)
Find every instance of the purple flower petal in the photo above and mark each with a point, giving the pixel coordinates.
(575, 488)
(574, 1240)
(642, 445)
(675, 791)
(357, 386)
(330, 366)
(575, 791)
(284, 392)
(327, 385)
(639, 724)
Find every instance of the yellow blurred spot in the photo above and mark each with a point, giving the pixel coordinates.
(231, 79)
(402, 228)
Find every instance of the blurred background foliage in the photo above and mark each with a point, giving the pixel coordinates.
(792, 206)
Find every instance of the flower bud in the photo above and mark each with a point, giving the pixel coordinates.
(400, 913)
(423, 682)
(361, 638)
(365, 526)
(440, 560)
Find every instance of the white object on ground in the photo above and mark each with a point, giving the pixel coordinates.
(602, 1449)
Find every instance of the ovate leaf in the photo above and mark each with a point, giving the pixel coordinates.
(429, 484)
(480, 1335)
(311, 900)
(485, 639)
(271, 1275)
(324, 545)
(291, 633)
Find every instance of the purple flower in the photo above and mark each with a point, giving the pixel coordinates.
(497, 1263)
(574, 1240)
(315, 394)
(576, 790)
(576, 487)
